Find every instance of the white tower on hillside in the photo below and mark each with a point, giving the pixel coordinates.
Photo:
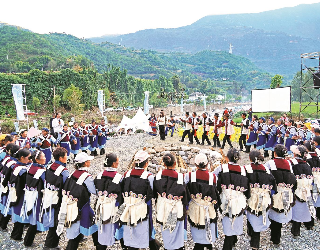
(230, 48)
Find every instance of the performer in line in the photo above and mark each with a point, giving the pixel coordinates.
(195, 123)
(56, 176)
(93, 137)
(171, 125)
(300, 133)
(64, 138)
(303, 209)
(44, 143)
(272, 137)
(232, 182)
(281, 131)
(188, 121)
(168, 186)
(281, 211)
(109, 191)
(162, 120)
(137, 193)
(253, 136)
(244, 131)
(262, 129)
(291, 135)
(76, 142)
(216, 130)
(229, 130)
(84, 133)
(23, 141)
(35, 179)
(102, 136)
(153, 124)
(205, 121)
(203, 205)
(262, 185)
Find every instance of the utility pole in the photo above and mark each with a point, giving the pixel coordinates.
(54, 95)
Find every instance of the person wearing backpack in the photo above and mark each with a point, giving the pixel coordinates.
(56, 176)
(6, 169)
(108, 184)
(33, 195)
(16, 184)
(75, 211)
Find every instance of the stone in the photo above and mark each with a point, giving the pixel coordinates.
(185, 148)
(159, 149)
(182, 153)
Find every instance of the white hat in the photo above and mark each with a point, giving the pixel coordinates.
(22, 130)
(83, 157)
(141, 156)
(201, 158)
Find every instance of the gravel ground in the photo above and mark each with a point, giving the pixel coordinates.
(125, 147)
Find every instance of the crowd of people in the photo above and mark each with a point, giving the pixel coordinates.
(40, 192)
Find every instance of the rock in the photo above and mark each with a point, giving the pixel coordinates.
(151, 151)
(195, 150)
(192, 161)
(185, 158)
(182, 153)
(205, 151)
(185, 148)
(165, 152)
(159, 149)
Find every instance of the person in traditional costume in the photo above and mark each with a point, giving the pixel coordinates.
(7, 165)
(253, 136)
(7, 139)
(102, 136)
(64, 138)
(244, 131)
(56, 176)
(15, 200)
(262, 184)
(303, 210)
(188, 121)
(233, 187)
(300, 133)
(93, 137)
(314, 162)
(195, 125)
(216, 123)
(283, 199)
(44, 143)
(171, 200)
(35, 179)
(76, 142)
(272, 137)
(75, 211)
(281, 131)
(109, 191)
(228, 130)
(84, 133)
(136, 211)
(23, 141)
(203, 205)
(262, 129)
(153, 124)
(291, 135)
(205, 121)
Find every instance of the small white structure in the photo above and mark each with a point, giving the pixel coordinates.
(230, 48)
(195, 96)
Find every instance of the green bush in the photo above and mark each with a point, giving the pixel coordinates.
(7, 126)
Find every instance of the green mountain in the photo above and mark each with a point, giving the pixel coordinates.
(273, 40)
(22, 51)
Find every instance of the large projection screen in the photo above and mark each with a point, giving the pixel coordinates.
(271, 100)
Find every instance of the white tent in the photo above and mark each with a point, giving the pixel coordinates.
(140, 121)
(126, 123)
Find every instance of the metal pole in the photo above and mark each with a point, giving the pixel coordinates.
(301, 77)
(54, 95)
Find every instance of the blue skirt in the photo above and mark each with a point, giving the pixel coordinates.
(85, 143)
(47, 152)
(289, 143)
(272, 141)
(16, 210)
(102, 141)
(66, 145)
(93, 143)
(253, 138)
(75, 147)
(261, 142)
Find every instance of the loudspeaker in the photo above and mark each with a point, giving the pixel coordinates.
(316, 80)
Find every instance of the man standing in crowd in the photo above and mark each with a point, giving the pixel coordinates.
(195, 122)
(162, 123)
(171, 125)
(57, 125)
(188, 121)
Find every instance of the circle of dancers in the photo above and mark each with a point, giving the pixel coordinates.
(43, 194)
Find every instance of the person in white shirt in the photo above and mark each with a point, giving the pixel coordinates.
(162, 123)
(57, 125)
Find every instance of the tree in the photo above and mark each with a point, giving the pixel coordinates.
(35, 103)
(73, 96)
(276, 81)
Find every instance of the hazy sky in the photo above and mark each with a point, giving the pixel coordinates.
(99, 17)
